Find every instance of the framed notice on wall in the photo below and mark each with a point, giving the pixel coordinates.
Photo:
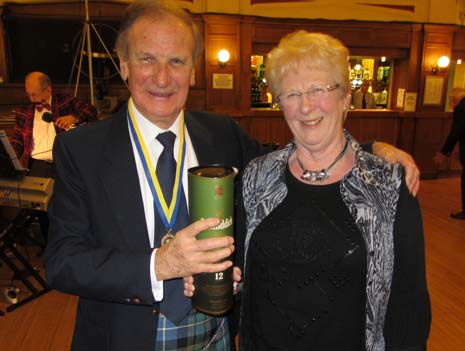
(433, 90)
(410, 101)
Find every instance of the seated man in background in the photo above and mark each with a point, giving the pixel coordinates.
(38, 123)
(362, 98)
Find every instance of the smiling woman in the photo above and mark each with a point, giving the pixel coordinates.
(315, 257)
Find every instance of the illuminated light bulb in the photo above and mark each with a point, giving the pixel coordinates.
(223, 56)
(443, 62)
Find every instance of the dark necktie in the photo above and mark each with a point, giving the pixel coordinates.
(364, 102)
(175, 306)
(40, 107)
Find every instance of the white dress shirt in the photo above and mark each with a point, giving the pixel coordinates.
(43, 136)
(149, 131)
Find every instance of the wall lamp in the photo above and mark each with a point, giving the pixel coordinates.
(223, 57)
(443, 63)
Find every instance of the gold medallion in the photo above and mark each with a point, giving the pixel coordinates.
(167, 238)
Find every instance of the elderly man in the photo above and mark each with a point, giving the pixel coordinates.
(34, 132)
(38, 123)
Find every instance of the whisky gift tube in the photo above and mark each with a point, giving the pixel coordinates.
(211, 194)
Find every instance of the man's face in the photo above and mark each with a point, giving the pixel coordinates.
(35, 92)
(159, 67)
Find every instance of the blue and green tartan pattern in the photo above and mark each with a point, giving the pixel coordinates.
(194, 333)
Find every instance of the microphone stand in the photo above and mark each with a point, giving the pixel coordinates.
(86, 41)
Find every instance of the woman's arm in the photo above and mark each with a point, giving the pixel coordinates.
(394, 155)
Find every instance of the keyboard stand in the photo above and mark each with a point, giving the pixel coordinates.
(24, 274)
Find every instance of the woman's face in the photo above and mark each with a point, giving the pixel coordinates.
(315, 118)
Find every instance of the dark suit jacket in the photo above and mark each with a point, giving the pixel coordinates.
(98, 246)
(457, 132)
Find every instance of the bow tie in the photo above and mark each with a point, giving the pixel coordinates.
(40, 107)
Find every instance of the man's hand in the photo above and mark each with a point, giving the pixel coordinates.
(185, 255)
(392, 154)
(189, 286)
(65, 122)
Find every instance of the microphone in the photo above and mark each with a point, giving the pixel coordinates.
(47, 117)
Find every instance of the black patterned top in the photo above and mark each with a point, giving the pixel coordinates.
(307, 274)
(397, 307)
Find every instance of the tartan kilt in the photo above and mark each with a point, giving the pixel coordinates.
(197, 332)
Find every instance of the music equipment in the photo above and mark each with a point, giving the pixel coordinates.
(29, 194)
(20, 266)
(9, 162)
(26, 192)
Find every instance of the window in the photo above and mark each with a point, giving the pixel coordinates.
(376, 73)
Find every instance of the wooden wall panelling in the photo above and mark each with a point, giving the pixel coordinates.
(197, 100)
(428, 140)
(3, 49)
(246, 28)
(416, 49)
(267, 126)
(244, 123)
(351, 33)
(222, 32)
(437, 42)
(261, 129)
(366, 125)
(102, 10)
(375, 35)
(459, 39)
(458, 46)
(270, 32)
(406, 138)
(200, 64)
(451, 165)
(406, 73)
(399, 80)
(278, 131)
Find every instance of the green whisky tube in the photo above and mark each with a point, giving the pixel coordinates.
(211, 195)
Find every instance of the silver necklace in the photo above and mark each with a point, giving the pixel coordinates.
(318, 176)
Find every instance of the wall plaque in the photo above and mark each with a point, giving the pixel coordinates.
(222, 81)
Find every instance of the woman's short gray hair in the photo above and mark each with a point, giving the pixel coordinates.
(312, 50)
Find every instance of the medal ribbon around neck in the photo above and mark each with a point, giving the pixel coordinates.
(167, 213)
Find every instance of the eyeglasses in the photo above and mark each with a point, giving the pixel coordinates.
(316, 92)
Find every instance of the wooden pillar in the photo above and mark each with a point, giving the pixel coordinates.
(3, 48)
(437, 42)
(222, 82)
